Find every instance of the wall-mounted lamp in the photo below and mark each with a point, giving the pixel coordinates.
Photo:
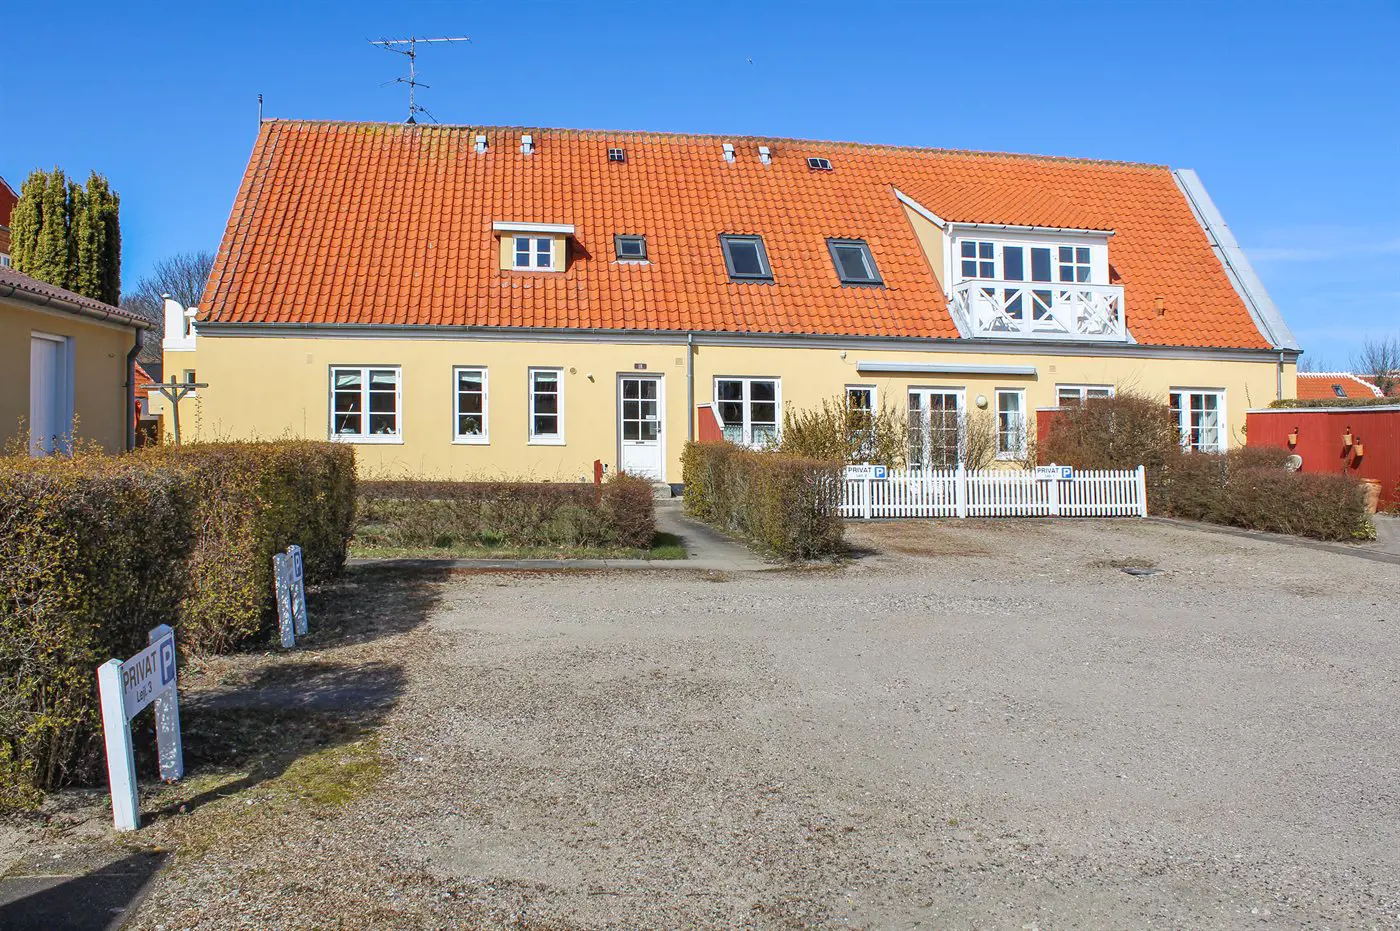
(1293, 437)
(1346, 438)
(1360, 450)
(981, 402)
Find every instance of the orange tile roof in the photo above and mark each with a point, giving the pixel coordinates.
(1317, 386)
(389, 223)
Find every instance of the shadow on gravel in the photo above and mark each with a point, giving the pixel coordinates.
(312, 716)
(98, 899)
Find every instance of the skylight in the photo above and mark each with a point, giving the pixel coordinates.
(617, 155)
(819, 164)
(630, 248)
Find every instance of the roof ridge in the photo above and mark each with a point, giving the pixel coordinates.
(723, 137)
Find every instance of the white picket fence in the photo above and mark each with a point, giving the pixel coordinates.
(995, 493)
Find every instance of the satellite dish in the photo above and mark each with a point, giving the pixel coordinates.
(1293, 463)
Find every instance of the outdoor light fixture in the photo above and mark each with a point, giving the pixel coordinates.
(982, 402)
(1346, 438)
(1293, 437)
(1360, 450)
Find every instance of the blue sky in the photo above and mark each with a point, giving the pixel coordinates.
(1287, 111)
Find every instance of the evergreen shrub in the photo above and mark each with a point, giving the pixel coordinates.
(784, 504)
(444, 514)
(91, 557)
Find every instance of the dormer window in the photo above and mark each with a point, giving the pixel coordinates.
(978, 259)
(533, 247)
(534, 253)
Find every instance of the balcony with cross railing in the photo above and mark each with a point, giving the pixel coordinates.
(1040, 310)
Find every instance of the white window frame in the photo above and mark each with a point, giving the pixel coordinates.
(4, 260)
(1083, 391)
(1028, 239)
(1019, 437)
(468, 439)
(746, 427)
(1080, 264)
(869, 389)
(544, 439)
(1183, 416)
(533, 252)
(362, 437)
(925, 420)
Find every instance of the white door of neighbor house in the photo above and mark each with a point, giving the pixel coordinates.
(639, 416)
(50, 394)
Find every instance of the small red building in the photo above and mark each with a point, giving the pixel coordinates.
(1360, 441)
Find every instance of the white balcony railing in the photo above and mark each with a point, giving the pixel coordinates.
(1041, 310)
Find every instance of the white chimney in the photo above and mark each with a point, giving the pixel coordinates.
(765, 155)
(480, 145)
(729, 151)
(527, 144)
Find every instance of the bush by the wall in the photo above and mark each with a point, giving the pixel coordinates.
(1250, 488)
(1125, 431)
(91, 550)
(253, 500)
(435, 514)
(1335, 402)
(785, 504)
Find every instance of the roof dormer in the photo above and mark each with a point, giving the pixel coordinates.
(534, 247)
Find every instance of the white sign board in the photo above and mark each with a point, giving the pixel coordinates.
(865, 470)
(291, 594)
(126, 688)
(1052, 473)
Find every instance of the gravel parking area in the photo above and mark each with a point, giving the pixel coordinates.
(986, 724)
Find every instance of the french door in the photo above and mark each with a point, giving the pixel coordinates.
(935, 428)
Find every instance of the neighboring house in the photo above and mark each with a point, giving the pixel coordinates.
(147, 422)
(8, 199)
(474, 301)
(64, 355)
(1324, 386)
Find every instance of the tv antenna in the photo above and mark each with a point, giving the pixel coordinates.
(409, 48)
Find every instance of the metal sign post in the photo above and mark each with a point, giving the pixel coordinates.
(126, 688)
(298, 586)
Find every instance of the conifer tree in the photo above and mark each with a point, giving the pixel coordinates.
(67, 235)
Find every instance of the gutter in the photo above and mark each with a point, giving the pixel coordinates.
(690, 387)
(131, 393)
(82, 310)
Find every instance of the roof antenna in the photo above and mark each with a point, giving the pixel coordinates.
(260, 109)
(396, 45)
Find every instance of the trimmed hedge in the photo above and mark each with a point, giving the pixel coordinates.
(253, 500)
(91, 551)
(97, 550)
(438, 515)
(1336, 402)
(785, 504)
(1251, 488)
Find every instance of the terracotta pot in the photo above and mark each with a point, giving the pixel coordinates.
(1372, 487)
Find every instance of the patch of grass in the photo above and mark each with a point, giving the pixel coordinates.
(663, 546)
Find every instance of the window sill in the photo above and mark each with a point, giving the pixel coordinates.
(545, 441)
(374, 440)
(471, 441)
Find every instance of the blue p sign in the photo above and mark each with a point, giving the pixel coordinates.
(167, 662)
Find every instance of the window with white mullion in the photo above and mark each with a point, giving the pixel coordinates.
(547, 406)
(747, 409)
(1011, 423)
(1078, 394)
(534, 252)
(469, 414)
(365, 403)
(1200, 418)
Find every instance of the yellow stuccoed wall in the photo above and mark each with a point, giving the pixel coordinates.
(270, 387)
(99, 379)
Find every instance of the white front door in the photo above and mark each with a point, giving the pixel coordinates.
(639, 416)
(50, 394)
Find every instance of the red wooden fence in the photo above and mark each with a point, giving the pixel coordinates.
(1375, 433)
